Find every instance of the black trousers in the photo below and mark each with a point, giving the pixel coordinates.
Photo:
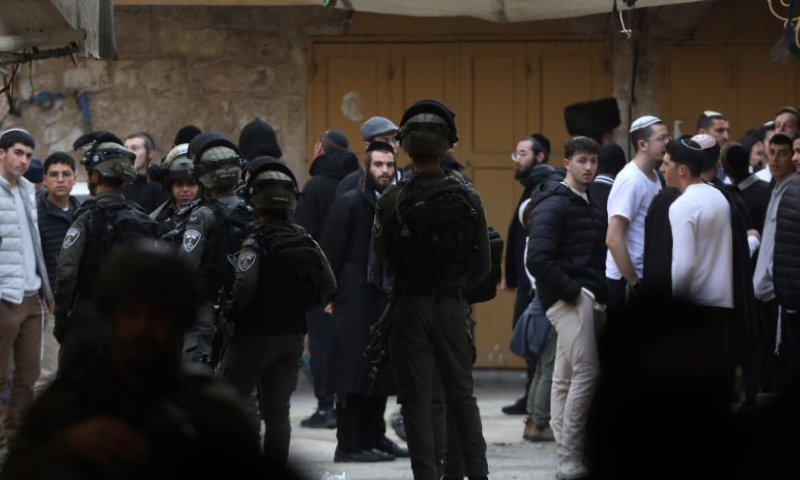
(788, 361)
(433, 335)
(319, 342)
(768, 318)
(617, 297)
(359, 421)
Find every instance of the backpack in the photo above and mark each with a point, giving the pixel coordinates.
(291, 269)
(108, 228)
(232, 225)
(487, 289)
(437, 230)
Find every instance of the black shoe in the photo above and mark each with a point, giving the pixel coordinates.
(320, 419)
(520, 407)
(384, 456)
(388, 446)
(398, 425)
(360, 456)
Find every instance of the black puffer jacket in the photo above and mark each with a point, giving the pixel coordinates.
(786, 260)
(566, 246)
(320, 191)
(53, 226)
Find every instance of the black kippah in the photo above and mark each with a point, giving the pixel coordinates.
(380, 147)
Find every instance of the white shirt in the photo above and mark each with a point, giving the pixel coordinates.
(764, 174)
(630, 198)
(702, 247)
(32, 280)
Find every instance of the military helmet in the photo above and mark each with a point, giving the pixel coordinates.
(176, 165)
(271, 184)
(427, 128)
(216, 160)
(105, 154)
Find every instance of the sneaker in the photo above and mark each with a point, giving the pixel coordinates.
(320, 419)
(520, 407)
(536, 433)
(572, 469)
(360, 456)
(388, 446)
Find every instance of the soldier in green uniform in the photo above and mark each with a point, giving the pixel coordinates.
(215, 230)
(432, 230)
(101, 224)
(281, 273)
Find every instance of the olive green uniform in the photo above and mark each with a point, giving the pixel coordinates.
(431, 330)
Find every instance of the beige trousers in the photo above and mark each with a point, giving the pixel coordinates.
(20, 333)
(49, 357)
(576, 372)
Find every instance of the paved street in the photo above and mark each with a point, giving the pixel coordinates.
(510, 457)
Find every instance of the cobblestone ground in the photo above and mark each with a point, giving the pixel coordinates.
(510, 457)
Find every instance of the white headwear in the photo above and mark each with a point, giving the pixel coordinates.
(704, 140)
(644, 122)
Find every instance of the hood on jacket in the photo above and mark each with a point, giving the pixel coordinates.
(541, 173)
(335, 164)
(549, 189)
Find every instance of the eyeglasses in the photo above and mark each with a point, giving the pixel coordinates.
(66, 175)
(515, 156)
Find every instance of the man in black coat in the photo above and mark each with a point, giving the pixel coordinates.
(332, 162)
(566, 256)
(756, 192)
(357, 305)
(531, 170)
(142, 191)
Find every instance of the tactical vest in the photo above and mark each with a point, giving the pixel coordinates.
(289, 282)
(436, 234)
(232, 224)
(107, 228)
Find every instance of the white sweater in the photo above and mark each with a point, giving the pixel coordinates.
(702, 247)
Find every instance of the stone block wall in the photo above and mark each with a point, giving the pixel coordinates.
(214, 67)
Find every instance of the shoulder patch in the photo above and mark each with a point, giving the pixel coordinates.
(71, 236)
(190, 240)
(246, 260)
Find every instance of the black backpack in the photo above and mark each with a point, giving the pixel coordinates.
(232, 225)
(487, 289)
(437, 230)
(291, 269)
(110, 227)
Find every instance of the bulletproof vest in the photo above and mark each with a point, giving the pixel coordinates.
(232, 224)
(172, 224)
(289, 282)
(436, 234)
(487, 289)
(109, 227)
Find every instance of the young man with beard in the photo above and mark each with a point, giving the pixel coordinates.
(565, 254)
(628, 202)
(356, 307)
(143, 191)
(531, 170)
(714, 124)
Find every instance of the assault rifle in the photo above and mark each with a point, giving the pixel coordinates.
(377, 351)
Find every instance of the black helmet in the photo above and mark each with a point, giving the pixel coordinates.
(270, 184)
(176, 165)
(216, 160)
(104, 153)
(428, 127)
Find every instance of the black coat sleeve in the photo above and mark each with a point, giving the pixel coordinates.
(306, 213)
(511, 258)
(543, 242)
(336, 234)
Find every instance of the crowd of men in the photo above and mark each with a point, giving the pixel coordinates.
(215, 258)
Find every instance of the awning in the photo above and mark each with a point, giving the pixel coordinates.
(34, 29)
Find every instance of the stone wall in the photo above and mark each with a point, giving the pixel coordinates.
(214, 67)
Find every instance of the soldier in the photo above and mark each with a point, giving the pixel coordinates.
(432, 231)
(176, 175)
(215, 229)
(102, 223)
(281, 273)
